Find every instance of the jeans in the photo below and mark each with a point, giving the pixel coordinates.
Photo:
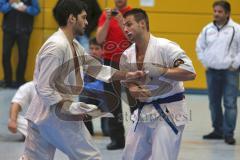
(223, 84)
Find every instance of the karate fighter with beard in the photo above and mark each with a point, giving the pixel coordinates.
(161, 113)
(55, 121)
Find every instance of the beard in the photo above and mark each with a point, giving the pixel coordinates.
(79, 32)
(220, 19)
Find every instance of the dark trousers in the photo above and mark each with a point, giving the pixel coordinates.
(104, 126)
(116, 129)
(22, 40)
(94, 97)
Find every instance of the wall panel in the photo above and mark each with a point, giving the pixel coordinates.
(177, 20)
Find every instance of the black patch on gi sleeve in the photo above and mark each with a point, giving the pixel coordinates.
(178, 62)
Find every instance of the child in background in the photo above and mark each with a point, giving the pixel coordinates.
(95, 50)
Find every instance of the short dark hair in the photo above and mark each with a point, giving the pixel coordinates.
(224, 4)
(64, 8)
(139, 14)
(93, 41)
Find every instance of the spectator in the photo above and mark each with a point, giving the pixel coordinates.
(94, 85)
(218, 48)
(17, 27)
(110, 33)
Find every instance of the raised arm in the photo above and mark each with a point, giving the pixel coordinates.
(103, 26)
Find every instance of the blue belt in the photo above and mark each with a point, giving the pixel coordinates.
(156, 104)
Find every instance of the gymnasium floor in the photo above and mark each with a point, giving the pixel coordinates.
(193, 147)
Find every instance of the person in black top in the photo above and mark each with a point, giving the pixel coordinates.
(17, 27)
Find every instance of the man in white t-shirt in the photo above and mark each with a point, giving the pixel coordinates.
(19, 103)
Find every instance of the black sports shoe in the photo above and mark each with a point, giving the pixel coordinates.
(3, 84)
(213, 135)
(115, 145)
(22, 139)
(230, 140)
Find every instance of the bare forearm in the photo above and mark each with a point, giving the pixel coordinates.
(14, 110)
(129, 76)
(102, 32)
(179, 74)
(119, 75)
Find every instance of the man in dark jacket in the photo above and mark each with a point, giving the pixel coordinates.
(17, 27)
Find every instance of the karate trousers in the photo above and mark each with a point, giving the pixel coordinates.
(152, 141)
(70, 137)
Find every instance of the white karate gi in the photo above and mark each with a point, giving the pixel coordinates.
(23, 97)
(153, 138)
(46, 130)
